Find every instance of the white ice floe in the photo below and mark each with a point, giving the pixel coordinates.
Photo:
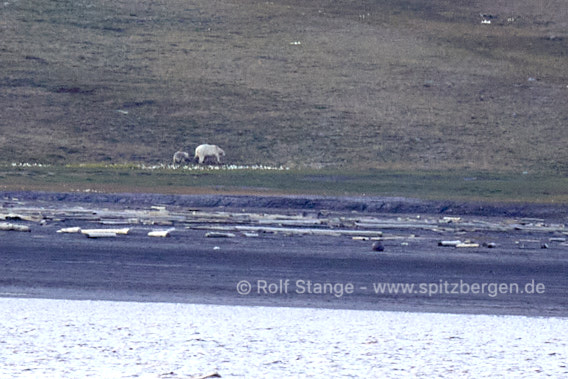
(160, 233)
(78, 339)
(6, 226)
(74, 229)
(111, 230)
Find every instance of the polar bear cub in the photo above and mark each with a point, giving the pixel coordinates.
(205, 150)
(180, 156)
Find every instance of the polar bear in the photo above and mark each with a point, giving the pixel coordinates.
(205, 150)
(180, 156)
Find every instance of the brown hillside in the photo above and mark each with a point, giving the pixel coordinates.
(409, 84)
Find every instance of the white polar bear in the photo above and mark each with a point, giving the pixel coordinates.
(180, 156)
(205, 150)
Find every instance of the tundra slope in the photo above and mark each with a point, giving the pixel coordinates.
(369, 84)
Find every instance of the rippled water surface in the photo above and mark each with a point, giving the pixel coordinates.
(60, 338)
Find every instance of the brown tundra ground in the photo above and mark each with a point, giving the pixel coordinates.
(478, 85)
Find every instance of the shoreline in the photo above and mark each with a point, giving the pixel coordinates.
(363, 204)
(315, 238)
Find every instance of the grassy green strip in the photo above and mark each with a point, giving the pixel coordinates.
(455, 185)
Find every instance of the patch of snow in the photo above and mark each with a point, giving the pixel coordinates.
(25, 164)
(63, 338)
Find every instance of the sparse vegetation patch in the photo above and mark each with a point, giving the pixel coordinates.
(409, 85)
